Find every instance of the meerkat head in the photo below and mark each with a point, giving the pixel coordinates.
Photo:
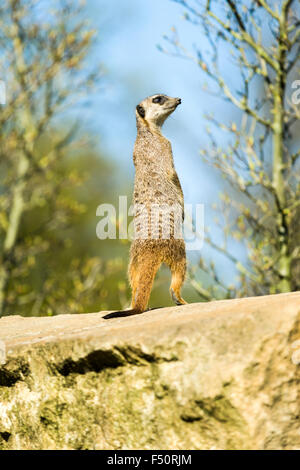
(155, 109)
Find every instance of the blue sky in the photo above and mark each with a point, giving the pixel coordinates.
(128, 35)
(135, 68)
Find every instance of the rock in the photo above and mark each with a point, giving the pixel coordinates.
(219, 375)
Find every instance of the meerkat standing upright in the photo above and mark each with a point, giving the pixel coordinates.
(158, 206)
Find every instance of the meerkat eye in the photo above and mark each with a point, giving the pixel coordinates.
(157, 99)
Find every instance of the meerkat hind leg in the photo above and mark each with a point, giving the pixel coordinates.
(147, 269)
(178, 275)
(141, 279)
(133, 279)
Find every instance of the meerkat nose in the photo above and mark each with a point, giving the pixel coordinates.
(178, 100)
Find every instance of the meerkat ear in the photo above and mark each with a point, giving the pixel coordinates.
(140, 110)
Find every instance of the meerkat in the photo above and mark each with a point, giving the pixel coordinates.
(158, 207)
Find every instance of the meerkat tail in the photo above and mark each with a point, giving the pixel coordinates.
(122, 313)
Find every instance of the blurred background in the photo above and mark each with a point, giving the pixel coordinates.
(74, 72)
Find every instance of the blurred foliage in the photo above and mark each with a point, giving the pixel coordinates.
(260, 207)
(51, 177)
(59, 264)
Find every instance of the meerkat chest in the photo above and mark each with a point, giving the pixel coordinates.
(151, 151)
(153, 187)
(156, 180)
